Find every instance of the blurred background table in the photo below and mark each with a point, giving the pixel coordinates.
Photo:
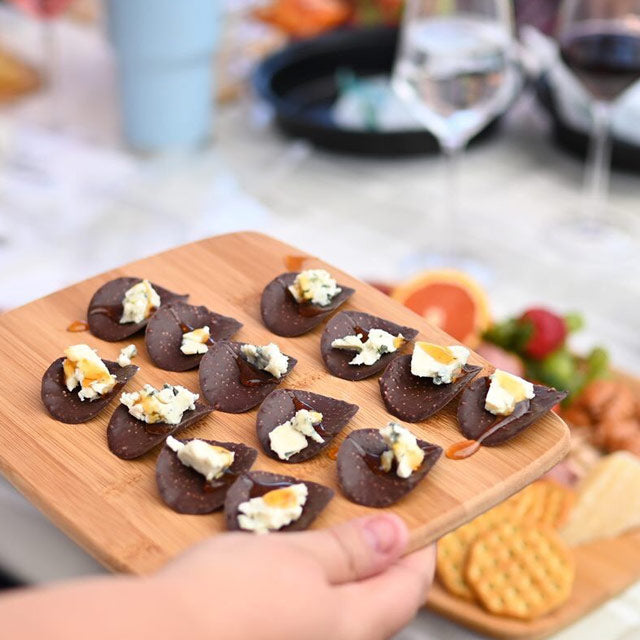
(74, 202)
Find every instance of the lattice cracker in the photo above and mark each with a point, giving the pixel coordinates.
(520, 571)
(546, 503)
(453, 548)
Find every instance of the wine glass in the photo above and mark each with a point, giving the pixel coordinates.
(600, 42)
(456, 70)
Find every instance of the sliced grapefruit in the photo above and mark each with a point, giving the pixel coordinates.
(449, 299)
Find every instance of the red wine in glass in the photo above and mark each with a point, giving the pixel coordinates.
(43, 9)
(604, 55)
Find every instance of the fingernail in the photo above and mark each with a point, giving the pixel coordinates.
(381, 533)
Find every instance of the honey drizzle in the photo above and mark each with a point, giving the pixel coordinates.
(465, 448)
(298, 405)
(77, 326)
(294, 263)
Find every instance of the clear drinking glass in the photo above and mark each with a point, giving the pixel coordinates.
(456, 70)
(600, 42)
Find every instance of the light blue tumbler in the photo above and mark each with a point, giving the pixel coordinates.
(164, 51)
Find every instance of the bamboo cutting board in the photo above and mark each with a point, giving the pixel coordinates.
(111, 507)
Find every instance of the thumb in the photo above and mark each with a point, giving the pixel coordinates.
(356, 549)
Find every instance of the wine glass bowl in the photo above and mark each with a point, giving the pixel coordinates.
(452, 70)
(599, 42)
(456, 70)
(603, 54)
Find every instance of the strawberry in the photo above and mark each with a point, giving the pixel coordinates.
(547, 332)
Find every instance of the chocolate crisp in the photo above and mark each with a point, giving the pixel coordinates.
(281, 405)
(475, 420)
(349, 323)
(187, 491)
(364, 482)
(130, 438)
(284, 316)
(230, 383)
(413, 398)
(256, 483)
(66, 406)
(163, 337)
(105, 309)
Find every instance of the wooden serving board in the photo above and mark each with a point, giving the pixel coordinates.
(603, 570)
(111, 506)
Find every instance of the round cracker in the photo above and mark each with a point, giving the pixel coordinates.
(453, 548)
(520, 571)
(549, 504)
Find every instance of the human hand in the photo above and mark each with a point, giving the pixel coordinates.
(345, 583)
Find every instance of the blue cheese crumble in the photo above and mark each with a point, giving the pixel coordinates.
(126, 354)
(442, 364)
(268, 358)
(152, 405)
(290, 437)
(274, 510)
(403, 448)
(315, 286)
(84, 368)
(195, 342)
(139, 302)
(505, 391)
(207, 459)
(369, 352)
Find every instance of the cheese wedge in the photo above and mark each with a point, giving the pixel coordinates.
(608, 500)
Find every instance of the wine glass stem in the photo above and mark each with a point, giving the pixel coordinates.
(449, 228)
(599, 167)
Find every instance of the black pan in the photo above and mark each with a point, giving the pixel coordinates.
(299, 82)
